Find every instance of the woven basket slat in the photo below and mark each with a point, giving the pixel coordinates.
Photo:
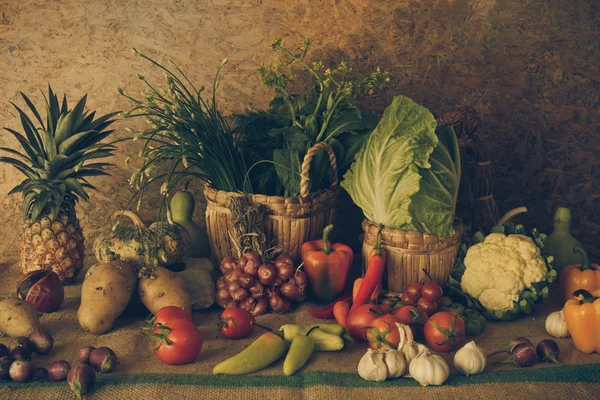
(408, 253)
(289, 221)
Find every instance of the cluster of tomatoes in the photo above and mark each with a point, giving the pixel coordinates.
(442, 331)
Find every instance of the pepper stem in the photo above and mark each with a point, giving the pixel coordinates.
(585, 259)
(326, 233)
(311, 329)
(377, 247)
(185, 187)
(587, 296)
(266, 328)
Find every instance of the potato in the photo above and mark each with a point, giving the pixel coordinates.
(18, 317)
(163, 289)
(105, 293)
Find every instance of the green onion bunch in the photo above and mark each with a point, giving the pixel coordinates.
(187, 137)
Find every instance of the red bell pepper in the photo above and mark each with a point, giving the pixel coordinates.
(373, 275)
(326, 266)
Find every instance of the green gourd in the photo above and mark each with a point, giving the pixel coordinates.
(182, 209)
(560, 243)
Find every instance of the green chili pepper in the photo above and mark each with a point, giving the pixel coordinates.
(300, 351)
(264, 351)
(323, 341)
(334, 329)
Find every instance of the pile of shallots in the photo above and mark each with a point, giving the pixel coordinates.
(258, 286)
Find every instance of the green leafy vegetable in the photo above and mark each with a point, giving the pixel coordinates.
(387, 176)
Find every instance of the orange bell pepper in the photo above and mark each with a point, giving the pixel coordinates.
(583, 320)
(579, 276)
(326, 266)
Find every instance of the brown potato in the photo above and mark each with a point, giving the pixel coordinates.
(18, 317)
(164, 288)
(105, 293)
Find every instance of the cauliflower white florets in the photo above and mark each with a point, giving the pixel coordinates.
(500, 268)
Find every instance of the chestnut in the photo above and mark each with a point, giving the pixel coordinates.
(42, 289)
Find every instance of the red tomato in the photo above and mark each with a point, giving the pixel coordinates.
(179, 342)
(432, 292)
(412, 316)
(413, 291)
(236, 323)
(168, 313)
(383, 332)
(427, 306)
(444, 331)
(363, 316)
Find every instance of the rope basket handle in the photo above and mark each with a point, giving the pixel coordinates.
(306, 166)
(510, 214)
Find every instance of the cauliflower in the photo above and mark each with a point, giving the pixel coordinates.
(500, 268)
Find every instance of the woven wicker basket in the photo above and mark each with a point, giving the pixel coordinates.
(289, 221)
(409, 253)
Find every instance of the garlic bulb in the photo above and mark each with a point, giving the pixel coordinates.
(470, 360)
(395, 363)
(428, 368)
(381, 364)
(371, 366)
(407, 346)
(556, 325)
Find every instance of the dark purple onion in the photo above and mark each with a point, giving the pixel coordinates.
(21, 342)
(103, 360)
(81, 379)
(547, 350)
(84, 354)
(21, 353)
(43, 289)
(42, 342)
(59, 370)
(21, 371)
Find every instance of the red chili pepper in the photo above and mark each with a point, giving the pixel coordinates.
(373, 274)
(327, 311)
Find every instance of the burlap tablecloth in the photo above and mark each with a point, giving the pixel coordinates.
(328, 375)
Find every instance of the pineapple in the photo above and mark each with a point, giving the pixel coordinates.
(57, 159)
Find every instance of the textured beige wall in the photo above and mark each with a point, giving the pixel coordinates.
(529, 67)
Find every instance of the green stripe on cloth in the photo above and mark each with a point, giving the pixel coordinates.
(566, 374)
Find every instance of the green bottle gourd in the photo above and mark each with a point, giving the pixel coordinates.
(182, 209)
(560, 243)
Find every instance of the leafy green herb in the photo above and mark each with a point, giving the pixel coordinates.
(327, 112)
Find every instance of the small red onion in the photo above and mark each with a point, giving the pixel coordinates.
(290, 290)
(21, 342)
(267, 273)
(235, 275)
(21, 371)
(240, 295)
(221, 282)
(278, 303)
(300, 278)
(257, 290)
(251, 267)
(81, 379)
(103, 360)
(228, 264)
(285, 267)
(233, 287)
(42, 342)
(84, 354)
(223, 296)
(261, 307)
(232, 303)
(21, 353)
(245, 280)
(248, 304)
(59, 370)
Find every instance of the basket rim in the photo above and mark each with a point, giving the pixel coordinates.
(459, 230)
(311, 196)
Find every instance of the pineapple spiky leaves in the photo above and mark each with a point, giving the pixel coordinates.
(57, 158)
